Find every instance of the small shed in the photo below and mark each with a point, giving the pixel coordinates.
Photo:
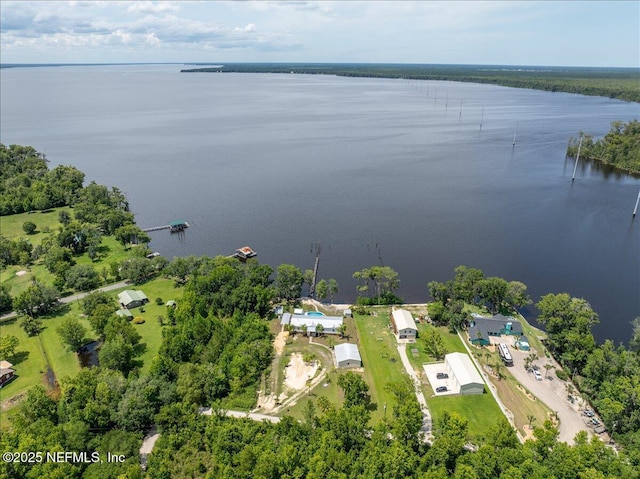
(464, 373)
(7, 373)
(171, 303)
(347, 355)
(125, 313)
(132, 298)
(522, 343)
(348, 313)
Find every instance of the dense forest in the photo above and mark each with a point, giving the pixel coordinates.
(622, 83)
(619, 148)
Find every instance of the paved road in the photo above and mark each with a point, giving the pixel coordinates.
(74, 297)
(426, 415)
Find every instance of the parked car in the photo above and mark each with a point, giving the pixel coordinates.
(588, 413)
(537, 375)
(442, 376)
(594, 421)
(441, 389)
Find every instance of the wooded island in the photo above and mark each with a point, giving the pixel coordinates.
(620, 148)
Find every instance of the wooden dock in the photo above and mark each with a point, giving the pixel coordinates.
(174, 226)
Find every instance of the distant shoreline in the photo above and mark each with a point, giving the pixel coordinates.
(610, 82)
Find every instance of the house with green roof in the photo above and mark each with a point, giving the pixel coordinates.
(130, 298)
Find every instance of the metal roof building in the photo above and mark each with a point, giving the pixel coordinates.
(464, 373)
(132, 298)
(347, 356)
(330, 324)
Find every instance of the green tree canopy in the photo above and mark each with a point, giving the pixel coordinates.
(72, 332)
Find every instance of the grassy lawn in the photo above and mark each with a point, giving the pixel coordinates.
(380, 358)
(33, 353)
(46, 221)
(47, 224)
(29, 362)
(481, 410)
(451, 341)
(150, 330)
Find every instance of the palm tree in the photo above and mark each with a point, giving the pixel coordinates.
(531, 418)
(320, 330)
(342, 330)
(547, 367)
(498, 368)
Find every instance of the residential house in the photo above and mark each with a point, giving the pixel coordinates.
(132, 299)
(482, 328)
(403, 324)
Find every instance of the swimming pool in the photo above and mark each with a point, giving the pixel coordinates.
(313, 313)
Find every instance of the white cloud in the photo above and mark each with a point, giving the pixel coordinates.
(376, 31)
(152, 7)
(251, 27)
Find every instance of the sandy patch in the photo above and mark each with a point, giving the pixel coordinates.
(297, 372)
(21, 272)
(280, 342)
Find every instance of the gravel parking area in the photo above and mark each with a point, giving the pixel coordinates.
(553, 393)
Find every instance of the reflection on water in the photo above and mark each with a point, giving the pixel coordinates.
(88, 355)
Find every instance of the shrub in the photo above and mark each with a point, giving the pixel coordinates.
(159, 301)
(138, 320)
(561, 373)
(29, 227)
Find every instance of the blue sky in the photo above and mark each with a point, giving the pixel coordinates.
(574, 33)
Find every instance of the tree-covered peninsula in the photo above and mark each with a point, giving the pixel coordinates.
(620, 148)
(622, 83)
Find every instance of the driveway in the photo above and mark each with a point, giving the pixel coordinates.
(426, 429)
(553, 393)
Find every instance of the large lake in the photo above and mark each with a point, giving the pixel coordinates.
(376, 171)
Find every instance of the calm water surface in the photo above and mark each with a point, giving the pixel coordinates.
(375, 170)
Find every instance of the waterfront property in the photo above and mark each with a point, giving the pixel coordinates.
(463, 373)
(132, 299)
(403, 324)
(347, 355)
(310, 321)
(7, 373)
(482, 329)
